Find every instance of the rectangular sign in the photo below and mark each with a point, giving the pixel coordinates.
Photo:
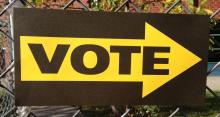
(100, 58)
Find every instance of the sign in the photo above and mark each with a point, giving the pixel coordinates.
(98, 58)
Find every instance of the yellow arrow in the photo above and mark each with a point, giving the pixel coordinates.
(180, 59)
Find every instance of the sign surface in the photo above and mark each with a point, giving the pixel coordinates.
(98, 58)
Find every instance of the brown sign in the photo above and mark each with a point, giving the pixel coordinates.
(99, 58)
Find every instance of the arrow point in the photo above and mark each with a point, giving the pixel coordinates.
(180, 59)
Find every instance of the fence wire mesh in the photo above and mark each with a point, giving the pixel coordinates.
(7, 101)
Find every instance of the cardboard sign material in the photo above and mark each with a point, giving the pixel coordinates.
(99, 58)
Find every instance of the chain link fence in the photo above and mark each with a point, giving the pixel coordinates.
(7, 102)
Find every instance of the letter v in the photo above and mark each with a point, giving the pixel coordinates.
(42, 60)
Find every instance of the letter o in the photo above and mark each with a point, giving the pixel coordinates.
(102, 59)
